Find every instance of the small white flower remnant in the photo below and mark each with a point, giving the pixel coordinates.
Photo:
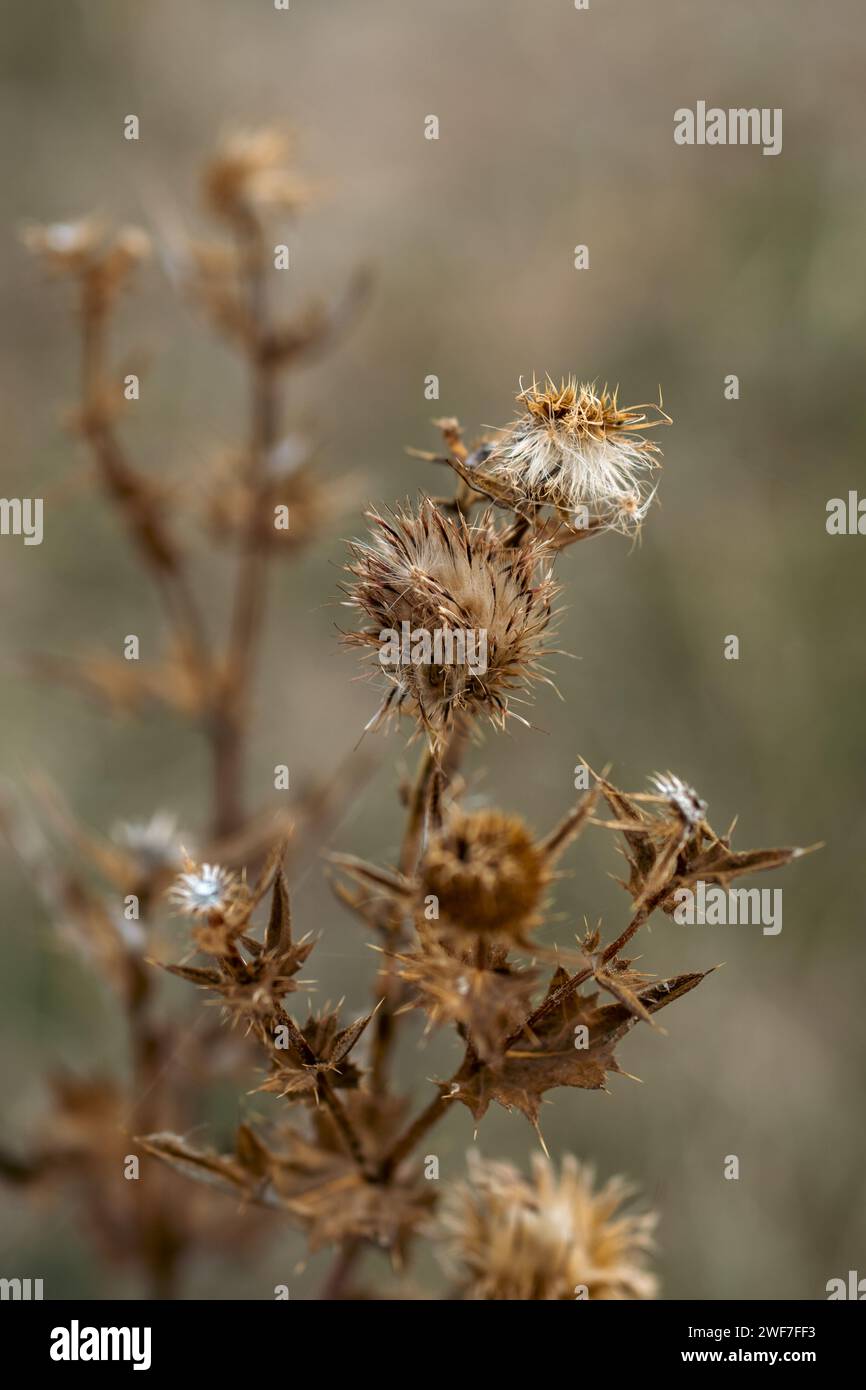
(288, 457)
(574, 448)
(64, 246)
(682, 797)
(83, 247)
(202, 890)
(154, 844)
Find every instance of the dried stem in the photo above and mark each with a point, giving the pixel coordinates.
(248, 607)
(334, 1287)
(433, 771)
(128, 493)
(430, 1115)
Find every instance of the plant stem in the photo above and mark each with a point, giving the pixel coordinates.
(334, 1286)
(248, 608)
(430, 1115)
(130, 495)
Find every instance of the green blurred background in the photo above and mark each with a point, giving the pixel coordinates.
(556, 128)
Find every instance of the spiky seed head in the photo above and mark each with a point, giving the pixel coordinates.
(573, 447)
(548, 1237)
(486, 873)
(443, 575)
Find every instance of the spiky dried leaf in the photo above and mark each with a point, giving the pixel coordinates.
(552, 1056)
(319, 1049)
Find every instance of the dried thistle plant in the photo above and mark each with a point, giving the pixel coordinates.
(454, 919)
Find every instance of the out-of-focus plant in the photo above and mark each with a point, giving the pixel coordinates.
(108, 893)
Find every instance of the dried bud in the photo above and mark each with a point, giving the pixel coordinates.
(81, 249)
(486, 873)
(489, 1003)
(672, 846)
(248, 174)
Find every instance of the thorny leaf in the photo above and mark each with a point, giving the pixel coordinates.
(667, 851)
(624, 984)
(549, 1057)
(320, 1048)
(278, 936)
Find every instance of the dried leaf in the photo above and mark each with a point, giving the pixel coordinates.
(550, 1057)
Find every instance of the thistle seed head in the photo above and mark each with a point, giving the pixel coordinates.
(571, 448)
(438, 575)
(546, 1238)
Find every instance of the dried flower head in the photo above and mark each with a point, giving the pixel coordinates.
(318, 1049)
(672, 846)
(547, 1238)
(249, 174)
(486, 873)
(457, 619)
(575, 448)
(84, 250)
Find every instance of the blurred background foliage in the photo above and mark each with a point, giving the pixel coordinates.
(556, 129)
